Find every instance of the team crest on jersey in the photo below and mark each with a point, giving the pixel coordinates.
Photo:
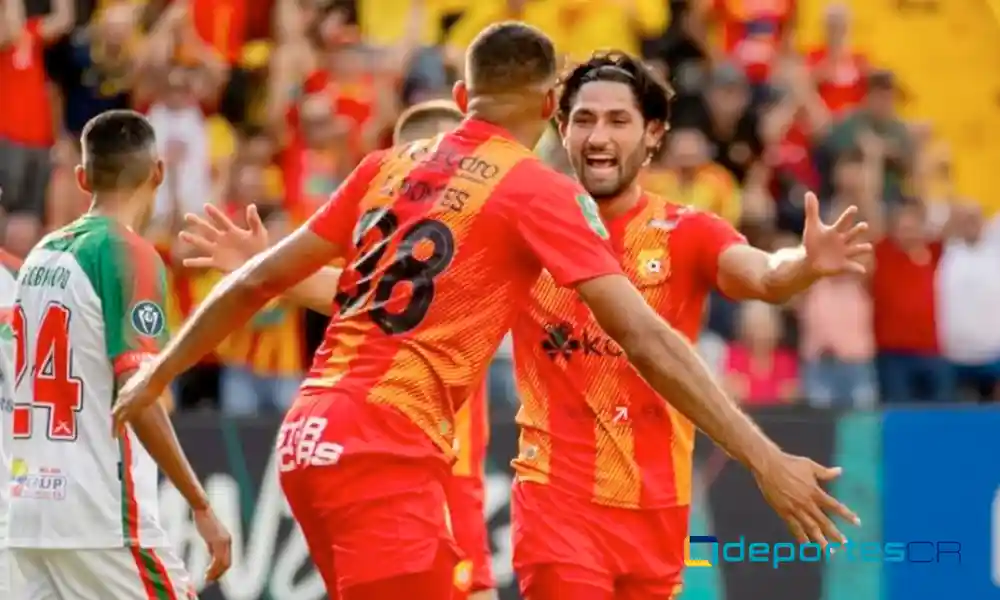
(148, 319)
(653, 265)
(589, 209)
(463, 575)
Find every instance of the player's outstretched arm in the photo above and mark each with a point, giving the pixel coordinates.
(218, 243)
(827, 250)
(670, 364)
(156, 433)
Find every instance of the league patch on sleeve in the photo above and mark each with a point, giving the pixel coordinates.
(589, 209)
(147, 318)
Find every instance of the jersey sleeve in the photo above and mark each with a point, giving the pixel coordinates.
(560, 225)
(335, 220)
(714, 236)
(132, 289)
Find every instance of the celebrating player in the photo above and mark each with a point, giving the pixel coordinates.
(9, 264)
(88, 311)
(604, 465)
(444, 239)
(226, 247)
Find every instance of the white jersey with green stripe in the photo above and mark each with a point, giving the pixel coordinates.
(7, 283)
(88, 309)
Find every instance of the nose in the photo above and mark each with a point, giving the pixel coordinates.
(600, 136)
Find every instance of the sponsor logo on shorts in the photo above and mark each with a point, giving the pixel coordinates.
(147, 318)
(45, 484)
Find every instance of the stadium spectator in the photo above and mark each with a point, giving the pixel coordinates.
(910, 366)
(27, 131)
(757, 369)
(968, 319)
(878, 114)
(686, 174)
(839, 72)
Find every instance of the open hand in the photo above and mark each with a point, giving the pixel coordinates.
(792, 486)
(220, 243)
(834, 249)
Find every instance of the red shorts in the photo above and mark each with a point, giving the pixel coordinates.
(562, 542)
(465, 504)
(366, 517)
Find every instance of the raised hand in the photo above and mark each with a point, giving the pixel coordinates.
(221, 244)
(838, 248)
(792, 485)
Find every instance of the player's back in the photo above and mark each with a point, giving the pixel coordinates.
(447, 237)
(75, 485)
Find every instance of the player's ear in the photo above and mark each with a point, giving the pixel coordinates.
(655, 131)
(549, 104)
(460, 94)
(158, 170)
(81, 179)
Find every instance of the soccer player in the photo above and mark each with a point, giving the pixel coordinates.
(9, 264)
(603, 487)
(443, 240)
(83, 521)
(226, 247)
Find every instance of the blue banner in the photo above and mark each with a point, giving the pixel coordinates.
(941, 497)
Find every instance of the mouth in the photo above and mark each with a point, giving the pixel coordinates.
(601, 163)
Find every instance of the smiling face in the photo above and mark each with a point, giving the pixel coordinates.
(606, 138)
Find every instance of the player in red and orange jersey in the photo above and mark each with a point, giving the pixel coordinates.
(226, 247)
(443, 240)
(605, 465)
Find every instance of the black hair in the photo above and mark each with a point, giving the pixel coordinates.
(509, 56)
(652, 94)
(119, 150)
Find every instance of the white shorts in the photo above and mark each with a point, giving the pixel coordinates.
(10, 576)
(118, 573)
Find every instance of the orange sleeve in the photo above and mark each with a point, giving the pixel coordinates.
(335, 220)
(560, 225)
(714, 236)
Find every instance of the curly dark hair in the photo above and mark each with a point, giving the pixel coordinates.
(652, 94)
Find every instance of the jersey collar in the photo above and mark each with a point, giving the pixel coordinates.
(477, 128)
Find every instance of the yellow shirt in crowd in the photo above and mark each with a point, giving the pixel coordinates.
(713, 189)
(384, 22)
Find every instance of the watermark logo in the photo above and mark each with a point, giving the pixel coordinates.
(777, 554)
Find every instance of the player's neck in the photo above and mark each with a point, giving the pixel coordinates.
(612, 208)
(119, 208)
(524, 129)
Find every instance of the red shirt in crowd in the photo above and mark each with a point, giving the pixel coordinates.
(757, 386)
(904, 299)
(752, 32)
(793, 157)
(844, 86)
(25, 108)
(222, 24)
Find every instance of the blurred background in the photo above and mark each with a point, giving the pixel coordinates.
(891, 105)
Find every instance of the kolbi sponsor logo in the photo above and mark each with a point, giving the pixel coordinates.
(562, 342)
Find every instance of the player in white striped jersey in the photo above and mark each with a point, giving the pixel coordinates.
(83, 516)
(9, 577)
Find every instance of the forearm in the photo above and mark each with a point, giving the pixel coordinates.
(152, 427)
(788, 272)
(672, 367)
(316, 292)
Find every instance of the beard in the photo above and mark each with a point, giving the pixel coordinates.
(612, 182)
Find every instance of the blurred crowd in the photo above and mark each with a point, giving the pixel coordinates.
(272, 102)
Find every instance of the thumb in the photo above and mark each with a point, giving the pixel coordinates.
(826, 473)
(812, 207)
(253, 220)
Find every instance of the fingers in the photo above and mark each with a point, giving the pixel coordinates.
(826, 473)
(833, 506)
(201, 227)
(811, 207)
(201, 244)
(859, 249)
(798, 531)
(826, 528)
(199, 262)
(855, 232)
(846, 219)
(254, 221)
(219, 219)
(221, 559)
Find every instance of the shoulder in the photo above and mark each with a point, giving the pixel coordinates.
(531, 178)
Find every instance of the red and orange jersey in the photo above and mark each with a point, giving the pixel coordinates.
(443, 240)
(589, 423)
(472, 435)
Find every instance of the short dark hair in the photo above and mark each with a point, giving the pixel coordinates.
(118, 150)
(652, 95)
(427, 115)
(508, 56)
